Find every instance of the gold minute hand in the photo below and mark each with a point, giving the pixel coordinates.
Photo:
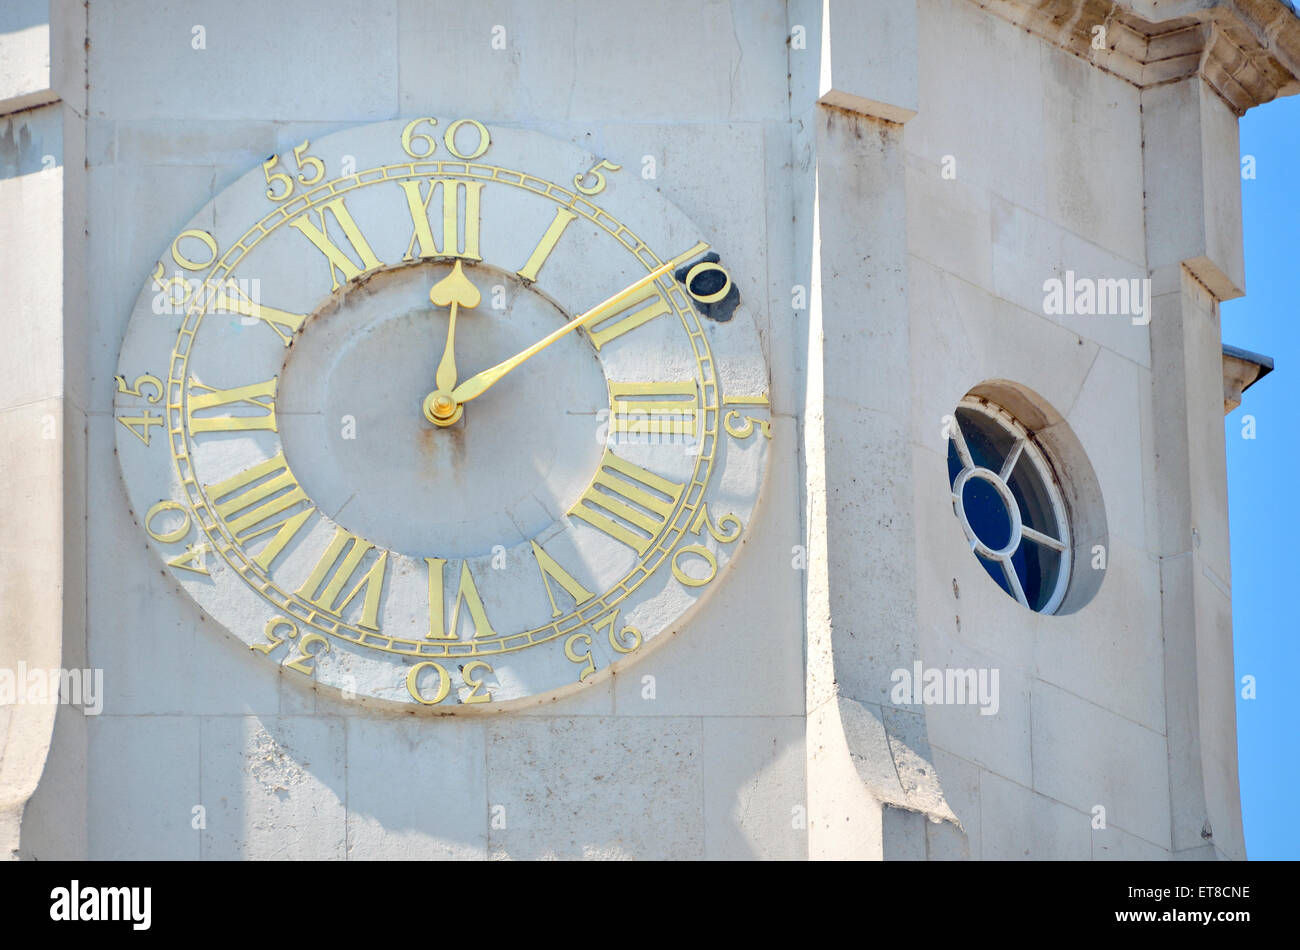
(476, 385)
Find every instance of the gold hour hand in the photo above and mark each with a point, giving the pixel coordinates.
(454, 291)
(476, 385)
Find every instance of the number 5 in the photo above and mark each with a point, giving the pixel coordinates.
(739, 427)
(594, 172)
(277, 177)
(304, 162)
(140, 382)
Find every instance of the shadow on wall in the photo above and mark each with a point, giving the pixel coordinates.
(31, 142)
(362, 784)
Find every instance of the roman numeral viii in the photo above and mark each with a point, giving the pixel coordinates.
(340, 565)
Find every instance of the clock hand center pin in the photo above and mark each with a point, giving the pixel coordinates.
(454, 291)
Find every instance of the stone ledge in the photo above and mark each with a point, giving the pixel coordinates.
(1241, 370)
(1247, 50)
(31, 100)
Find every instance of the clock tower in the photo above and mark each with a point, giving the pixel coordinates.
(783, 430)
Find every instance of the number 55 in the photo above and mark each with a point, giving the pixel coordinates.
(284, 181)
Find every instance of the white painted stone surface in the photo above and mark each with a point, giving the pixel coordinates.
(820, 182)
(146, 774)
(551, 779)
(1021, 825)
(415, 791)
(1085, 755)
(25, 69)
(276, 788)
(755, 804)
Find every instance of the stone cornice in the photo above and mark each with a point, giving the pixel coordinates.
(1248, 51)
(1241, 370)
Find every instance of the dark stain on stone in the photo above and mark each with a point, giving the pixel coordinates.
(17, 157)
(456, 440)
(708, 282)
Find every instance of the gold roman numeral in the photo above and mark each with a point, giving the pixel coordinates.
(192, 560)
(338, 567)
(251, 504)
(232, 298)
(338, 261)
(258, 396)
(547, 244)
(628, 503)
(551, 571)
(639, 309)
(466, 593)
(418, 205)
(653, 408)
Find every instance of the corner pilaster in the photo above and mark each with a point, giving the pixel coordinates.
(870, 776)
(42, 425)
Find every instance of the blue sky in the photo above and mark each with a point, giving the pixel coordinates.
(1264, 519)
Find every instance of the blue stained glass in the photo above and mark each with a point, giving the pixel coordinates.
(995, 571)
(987, 514)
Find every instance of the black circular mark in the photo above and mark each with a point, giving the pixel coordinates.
(704, 284)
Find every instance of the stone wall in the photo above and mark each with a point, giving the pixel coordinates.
(709, 767)
(891, 184)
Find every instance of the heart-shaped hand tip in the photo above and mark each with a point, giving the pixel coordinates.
(455, 288)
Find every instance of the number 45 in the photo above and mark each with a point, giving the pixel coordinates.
(139, 425)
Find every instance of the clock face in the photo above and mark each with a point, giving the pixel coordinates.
(443, 415)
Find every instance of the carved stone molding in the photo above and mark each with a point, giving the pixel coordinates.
(1241, 370)
(1247, 50)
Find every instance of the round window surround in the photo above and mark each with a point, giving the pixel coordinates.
(1027, 498)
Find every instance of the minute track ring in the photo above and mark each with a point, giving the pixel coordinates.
(594, 609)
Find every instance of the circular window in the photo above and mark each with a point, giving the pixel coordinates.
(1010, 504)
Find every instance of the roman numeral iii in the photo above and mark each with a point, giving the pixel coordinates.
(653, 408)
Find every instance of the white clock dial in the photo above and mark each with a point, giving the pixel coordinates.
(342, 432)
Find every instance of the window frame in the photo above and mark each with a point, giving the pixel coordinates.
(1025, 449)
